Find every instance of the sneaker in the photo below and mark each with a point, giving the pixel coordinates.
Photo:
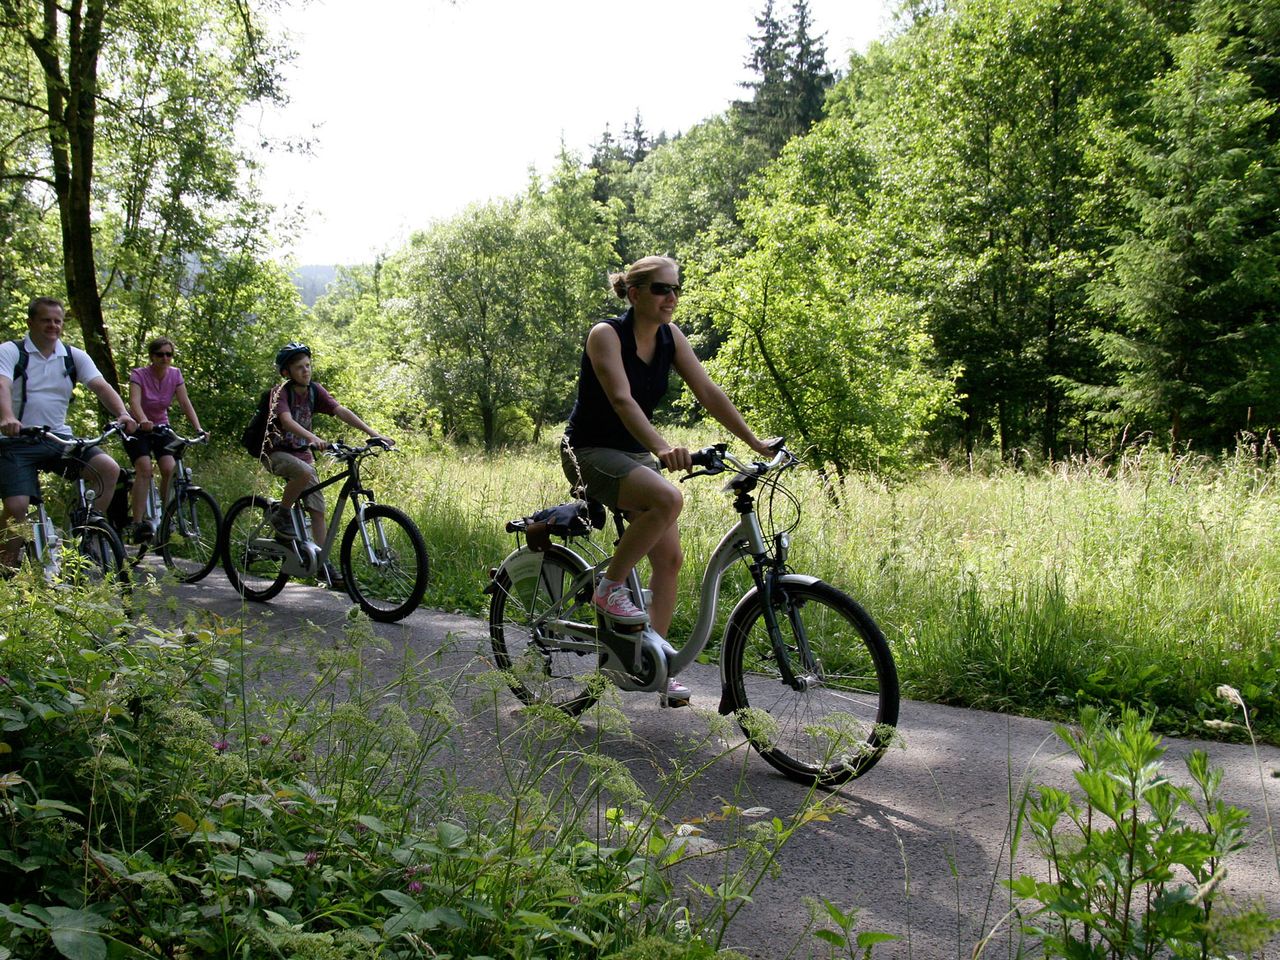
(142, 532)
(677, 694)
(618, 606)
(282, 521)
(334, 576)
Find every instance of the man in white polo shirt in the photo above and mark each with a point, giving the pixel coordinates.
(40, 397)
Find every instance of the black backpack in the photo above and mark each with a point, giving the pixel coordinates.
(254, 438)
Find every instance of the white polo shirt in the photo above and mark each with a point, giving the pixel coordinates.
(48, 386)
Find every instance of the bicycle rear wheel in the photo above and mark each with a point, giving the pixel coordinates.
(839, 722)
(253, 561)
(527, 587)
(100, 545)
(189, 535)
(384, 562)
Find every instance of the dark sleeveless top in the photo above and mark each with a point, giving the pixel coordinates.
(593, 421)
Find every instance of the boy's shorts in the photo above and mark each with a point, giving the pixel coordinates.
(601, 470)
(289, 467)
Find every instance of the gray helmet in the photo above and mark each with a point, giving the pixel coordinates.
(290, 352)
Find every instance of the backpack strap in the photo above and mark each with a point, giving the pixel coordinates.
(311, 395)
(20, 372)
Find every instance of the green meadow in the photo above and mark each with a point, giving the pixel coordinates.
(1144, 581)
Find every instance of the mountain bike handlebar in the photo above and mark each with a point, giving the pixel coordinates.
(344, 451)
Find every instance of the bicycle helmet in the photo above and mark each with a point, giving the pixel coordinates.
(290, 352)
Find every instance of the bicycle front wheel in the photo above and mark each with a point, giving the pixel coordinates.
(836, 718)
(530, 588)
(253, 561)
(100, 545)
(384, 562)
(189, 535)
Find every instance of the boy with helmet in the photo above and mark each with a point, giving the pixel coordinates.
(290, 439)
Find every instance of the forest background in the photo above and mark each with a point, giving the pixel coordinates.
(1043, 227)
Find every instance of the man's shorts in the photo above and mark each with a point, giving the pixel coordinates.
(601, 470)
(148, 443)
(21, 461)
(289, 467)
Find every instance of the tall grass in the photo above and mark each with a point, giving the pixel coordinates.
(1145, 581)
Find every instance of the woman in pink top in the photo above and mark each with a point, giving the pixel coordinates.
(152, 390)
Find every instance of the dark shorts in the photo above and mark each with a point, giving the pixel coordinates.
(147, 443)
(21, 462)
(601, 470)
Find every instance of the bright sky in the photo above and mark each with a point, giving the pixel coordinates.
(420, 107)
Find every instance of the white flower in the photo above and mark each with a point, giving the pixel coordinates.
(1228, 692)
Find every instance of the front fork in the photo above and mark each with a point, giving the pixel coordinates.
(376, 547)
(766, 574)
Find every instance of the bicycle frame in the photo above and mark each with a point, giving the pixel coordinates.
(360, 496)
(744, 541)
(179, 483)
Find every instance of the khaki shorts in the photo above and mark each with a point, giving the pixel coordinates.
(601, 470)
(290, 467)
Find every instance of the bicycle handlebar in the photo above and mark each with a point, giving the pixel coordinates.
(67, 443)
(717, 459)
(344, 451)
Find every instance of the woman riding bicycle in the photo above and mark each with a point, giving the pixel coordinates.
(152, 390)
(612, 452)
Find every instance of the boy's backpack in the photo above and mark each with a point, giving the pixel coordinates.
(20, 371)
(254, 438)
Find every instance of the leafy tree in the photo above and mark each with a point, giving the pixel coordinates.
(499, 299)
(366, 353)
(1194, 278)
(119, 91)
(980, 124)
(844, 370)
(691, 185)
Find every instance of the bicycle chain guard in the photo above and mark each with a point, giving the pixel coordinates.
(620, 653)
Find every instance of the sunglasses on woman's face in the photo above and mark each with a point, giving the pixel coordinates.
(659, 289)
(163, 353)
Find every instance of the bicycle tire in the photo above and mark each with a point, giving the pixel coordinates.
(100, 544)
(190, 535)
(840, 724)
(253, 574)
(391, 585)
(524, 588)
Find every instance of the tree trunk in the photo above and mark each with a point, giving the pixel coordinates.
(71, 98)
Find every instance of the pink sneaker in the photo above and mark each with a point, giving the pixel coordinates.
(617, 605)
(677, 694)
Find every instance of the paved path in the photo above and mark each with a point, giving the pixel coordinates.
(919, 845)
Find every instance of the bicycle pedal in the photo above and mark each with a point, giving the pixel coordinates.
(666, 701)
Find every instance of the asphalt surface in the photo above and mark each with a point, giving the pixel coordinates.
(918, 846)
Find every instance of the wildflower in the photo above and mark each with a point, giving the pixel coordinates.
(297, 756)
(415, 886)
(265, 739)
(312, 858)
(361, 828)
(221, 746)
(1230, 693)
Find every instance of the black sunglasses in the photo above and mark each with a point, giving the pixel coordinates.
(659, 289)
(163, 353)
